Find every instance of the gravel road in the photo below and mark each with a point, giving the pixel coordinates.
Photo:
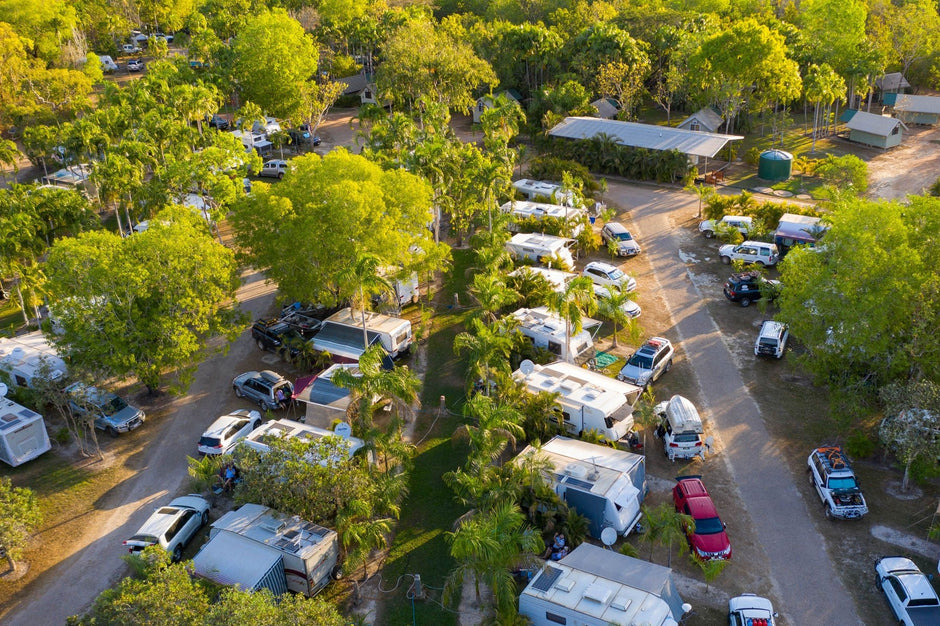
(71, 586)
(804, 578)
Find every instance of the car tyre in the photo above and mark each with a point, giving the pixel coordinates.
(280, 175)
(745, 302)
(337, 572)
(668, 366)
(726, 260)
(238, 391)
(205, 517)
(709, 234)
(260, 344)
(177, 554)
(112, 431)
(829, 515)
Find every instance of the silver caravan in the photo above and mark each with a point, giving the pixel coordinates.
(545, 249)
(536, 189)
(26, 359)
(524, 209)
(23, 434)
(588, 400)
(547, 330)
(603, 484)
(255, 547)
(393, 332)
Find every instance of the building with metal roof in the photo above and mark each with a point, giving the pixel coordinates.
(607, 109)
(705, 119)
(917, 109)
(649, 136)
(598, 587)
(874, 130)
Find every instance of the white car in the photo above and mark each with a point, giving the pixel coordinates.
(741, 223)
(909, 592)
(750, 610)
(225, 433)
(772, 340)
(605, 274)
(759, 252)
(130, 48)
(172, 526)
(618, 235)
(269, 127)
(629, 307)
(274, 168)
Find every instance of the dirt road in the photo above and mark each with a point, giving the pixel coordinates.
(789, 550)
(95, 563)
(910, 168)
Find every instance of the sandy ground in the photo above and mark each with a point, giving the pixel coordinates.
(908, 169)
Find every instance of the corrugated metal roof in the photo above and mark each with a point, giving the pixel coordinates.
(874, 124)
(648, 136)
(892, 82)
(917, 104)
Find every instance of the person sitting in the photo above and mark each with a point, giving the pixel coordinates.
(228, 477)
(558, 545)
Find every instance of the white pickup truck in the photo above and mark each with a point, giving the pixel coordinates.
(909, 592)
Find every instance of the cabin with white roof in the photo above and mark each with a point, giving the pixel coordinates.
(879, 131)
(597, 587)
(587, 400)
(604, 484)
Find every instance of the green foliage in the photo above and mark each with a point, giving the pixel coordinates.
(19, 516)
(859, 444)
(603, 154)
(547, 167)
(846, 173)
(576, 527)
(204, 472)
(752, 157)
(146, 304)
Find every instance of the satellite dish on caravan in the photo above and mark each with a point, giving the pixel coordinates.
(527, 367)
(609, 536)
(343, 430)
(3, 390)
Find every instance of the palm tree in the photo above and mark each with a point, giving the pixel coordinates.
(492, 294)
(666, 526)
(497, 425)
(533, 288)
(575, 300)
(398, 386)
(360, 532)
(703, 192)
(611, 307)
(488, 348)
(363, 276)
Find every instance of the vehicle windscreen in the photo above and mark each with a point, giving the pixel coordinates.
(616, 274)
(686, 437)
(641, 361)
(843, 483)
(115, 405)
(210, 442)
(624, 236)
(708, 526)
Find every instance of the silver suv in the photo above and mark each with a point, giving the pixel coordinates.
(646, 365)
(269, 389)
(109, 411)
(835, 483)
(172, 526)
(616, 234)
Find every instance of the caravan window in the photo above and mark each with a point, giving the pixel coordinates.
(554, 347)
(557, 619)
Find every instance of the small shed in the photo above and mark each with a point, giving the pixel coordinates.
(706, 119)
(488, 102)
(878, 131)
(607, 109)
(917, 109)
(892, 83)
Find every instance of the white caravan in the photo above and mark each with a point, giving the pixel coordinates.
(547, 330)
(23, 434)
(524, 209)
(394, 332)
(546, 249)
(535, 189)
(27, 359)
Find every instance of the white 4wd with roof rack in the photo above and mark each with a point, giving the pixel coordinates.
(836, 484)
(652, 360)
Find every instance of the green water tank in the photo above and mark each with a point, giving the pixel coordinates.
(774, 165)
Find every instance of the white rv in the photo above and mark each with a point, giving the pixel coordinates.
(597, 587)
(558, 279)
(546, 249)
(27, 358)
(547, 330)
(588, 400)
(23, 434)
(404, 287)
(524, 209)
(394, 332)
(289, 429)
(255, 547)
(604, 484)
(535, 189)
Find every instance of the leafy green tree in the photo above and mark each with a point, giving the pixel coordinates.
(835, 30)
(913, 417)
(305, 231)
(846, 173)
(498, 425)
(492, 295)
(19, 515)
(143, 305)
(362, 279)
(236, 606)
(572, 303)
(43, 26)
(611, 307)
(273, 60)
(822, 87)
(488, 348)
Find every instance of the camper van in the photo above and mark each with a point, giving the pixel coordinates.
(587, 400)
(394, 332)
(23, 434)
(27, 359)
(289, 429)
(540, 189)
(255, 547)
(545, 249)
(798, 230)
(547, 330)
(603, 484)
(524, 210)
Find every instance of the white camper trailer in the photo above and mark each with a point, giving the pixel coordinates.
(588, 400)
(546, 249)
(23, 434)
(597, 587)
(524, 209)
(24, 360)
(558, 279)
(394, 332)
(255, 547)
(535, 189)
(604, 484)
(547, 330)
(289, 429)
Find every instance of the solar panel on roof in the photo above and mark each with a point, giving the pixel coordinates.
(546, 578)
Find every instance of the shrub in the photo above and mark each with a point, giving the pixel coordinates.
(753, 156)
(859, 444)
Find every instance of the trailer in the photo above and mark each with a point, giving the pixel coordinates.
(604, 484)
(587, 400)
(597, 587)
(574, 218)
(343, 343)
(23, 434)
(393, 332)
(798, 230)
(255, 547)
(29, 358)
(549, 331)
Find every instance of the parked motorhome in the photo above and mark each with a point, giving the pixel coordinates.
(597, 587)
(255, 547)
(546, 249)
(603, 484)
(588, 400)
(289, 429)
(547, 330)
(26, 359)
(23, 434)
(540, 189)
(524, 210)
(393, 332)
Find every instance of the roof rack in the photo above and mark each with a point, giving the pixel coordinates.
(833, 457)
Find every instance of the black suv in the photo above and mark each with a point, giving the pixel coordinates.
(747, 287)
(282, 336)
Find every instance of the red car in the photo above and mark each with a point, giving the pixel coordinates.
(709, 540)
